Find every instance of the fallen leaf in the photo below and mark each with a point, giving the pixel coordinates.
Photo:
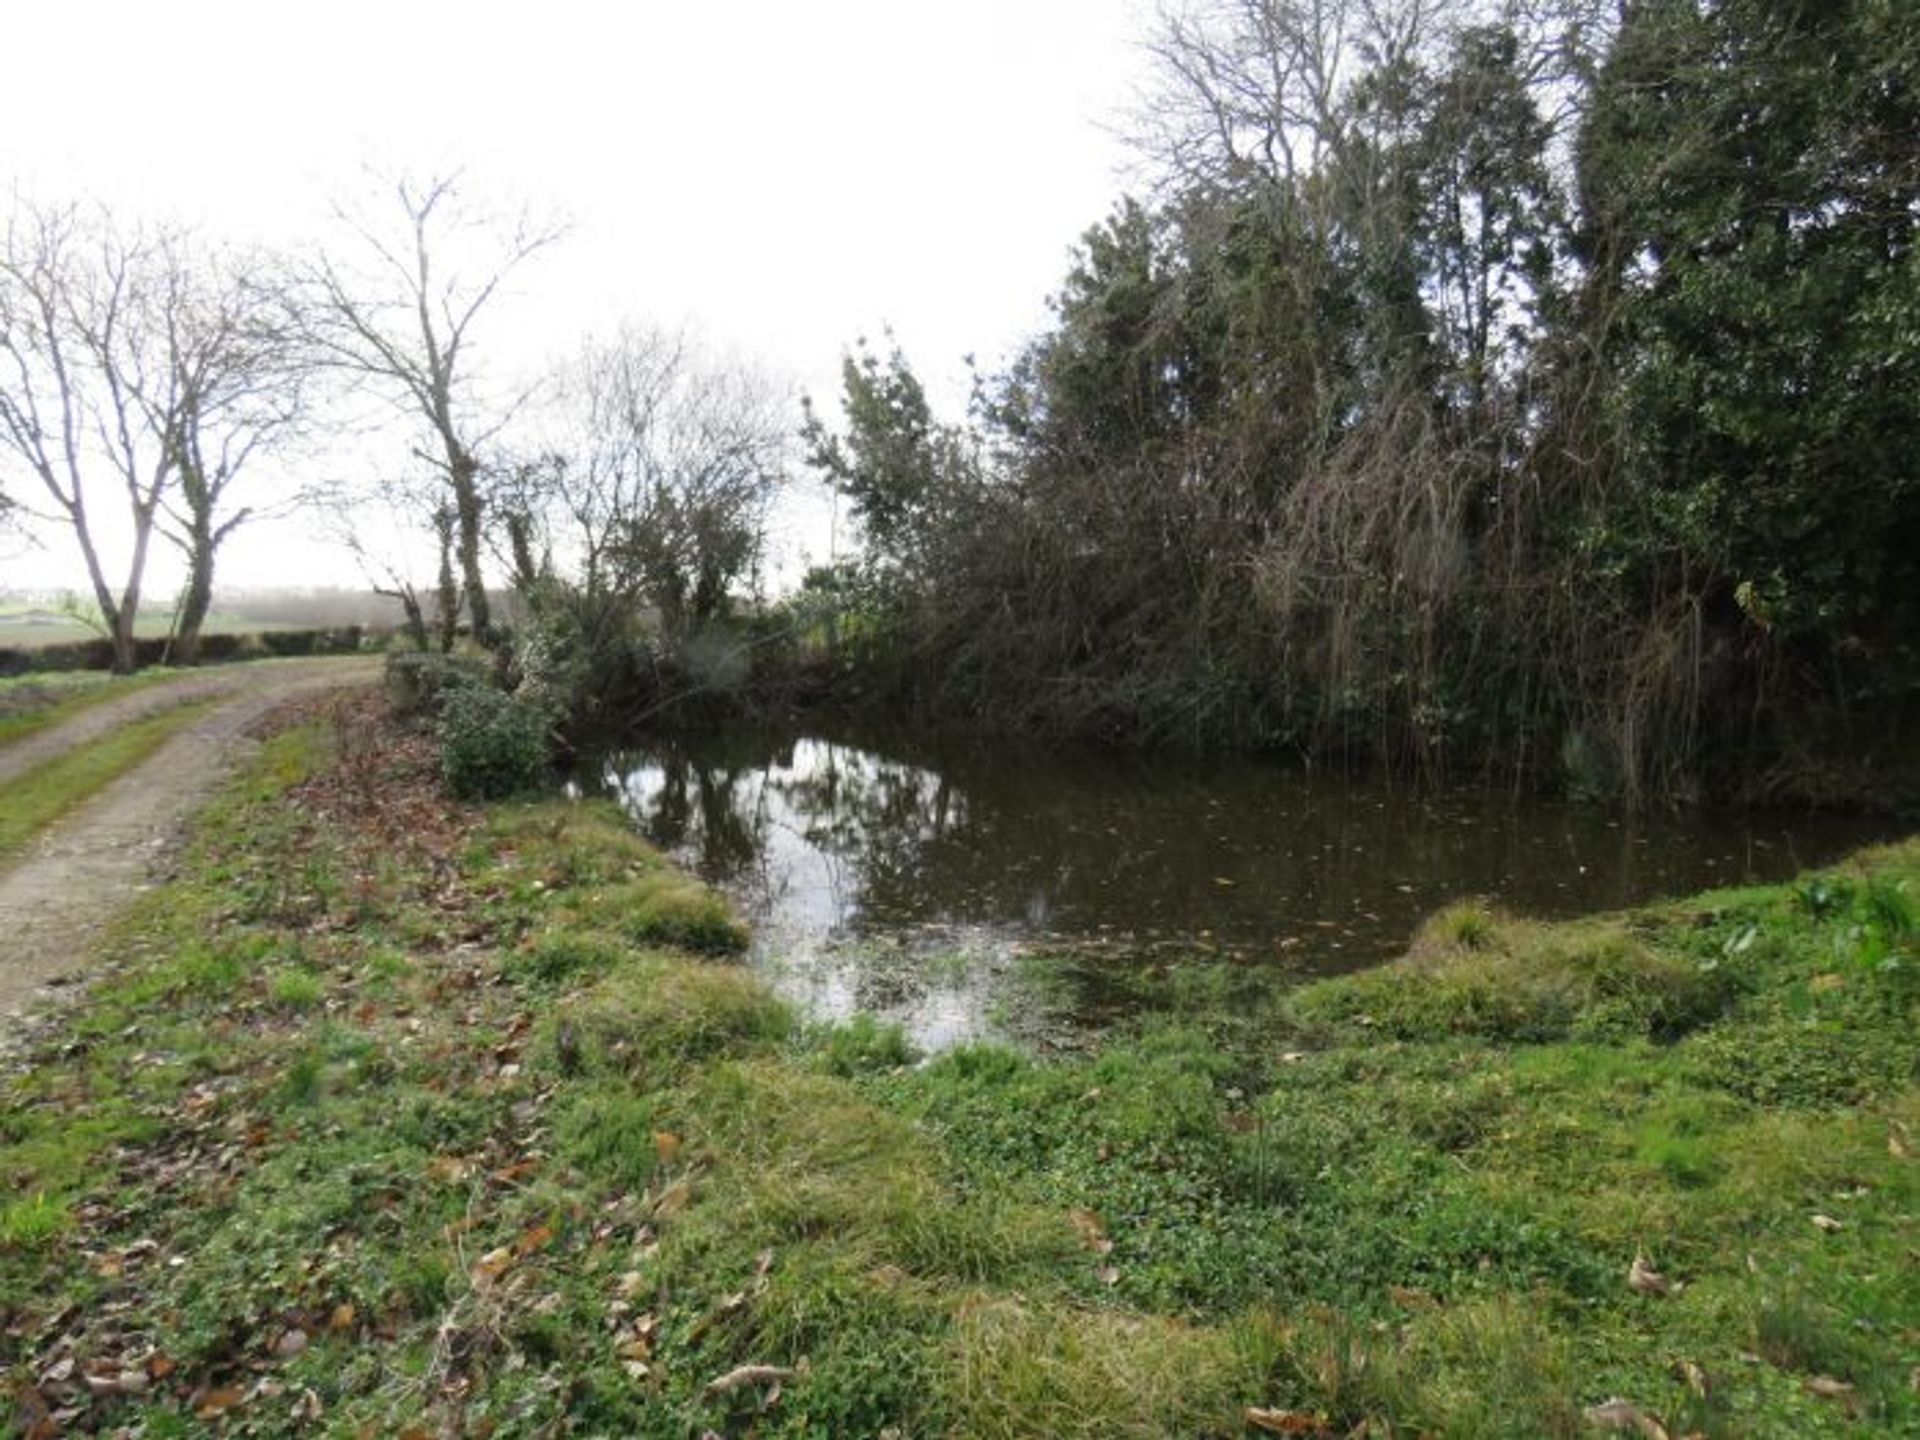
(1826, 1223)
(1087, 1226)
(1618, 1414)
(538, 1238)
(1643, 1279)
(291, 1343)
(1828, 1388)
(216, 1403)
(667, 1145)
(1695, 1377)
(744, 1376)
(492, 1265)
(1286, 1422)
(342, 1318)
(33, 1417)
(1108, 1275)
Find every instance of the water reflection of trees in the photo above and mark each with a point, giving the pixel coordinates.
(824, 835)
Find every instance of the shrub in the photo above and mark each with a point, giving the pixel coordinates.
(417, 681)
(491, 745)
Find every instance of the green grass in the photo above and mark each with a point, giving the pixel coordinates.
(32, 703)
(436, 1089)
(48, 629)
(40, 797)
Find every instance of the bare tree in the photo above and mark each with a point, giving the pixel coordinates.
(399, 313)
(657, 483)
(374, 528)
(79, 340)
(235, 389)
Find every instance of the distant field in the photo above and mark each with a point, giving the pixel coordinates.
(24, 626)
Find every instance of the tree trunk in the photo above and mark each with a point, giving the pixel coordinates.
(449, 587)
(199, 595)
(464, 472)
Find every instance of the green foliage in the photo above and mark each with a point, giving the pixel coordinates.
(491, 744)
(419, 682)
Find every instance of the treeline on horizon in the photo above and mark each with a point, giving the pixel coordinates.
(1526, 391)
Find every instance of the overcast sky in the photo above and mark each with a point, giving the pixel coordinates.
(782, 176)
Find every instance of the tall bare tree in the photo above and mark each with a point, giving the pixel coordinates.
(398, 312)
(79, 341)
(235, 388)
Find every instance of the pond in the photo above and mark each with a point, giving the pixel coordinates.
(914, 883)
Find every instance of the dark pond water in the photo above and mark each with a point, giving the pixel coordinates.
(908, 882)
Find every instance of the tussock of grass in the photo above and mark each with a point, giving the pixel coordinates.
(1469, 974)
(655, 1017)
(1023, 1370)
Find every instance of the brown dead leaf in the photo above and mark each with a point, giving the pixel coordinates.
(449, 1169)
(1826, 1223)
(1828, 1388)
(667, 1145)
(1087, 1226)
(159, 1366)
(33, 1416)
(290, 1344)
(216, 1403)
(745, 1375)
(538, 1238)
(1618, 1414)
(342, 1318)
(1287, 1422)
(1643, 1279)
(492, 1265)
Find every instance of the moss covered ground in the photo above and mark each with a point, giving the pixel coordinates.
(397, 1117)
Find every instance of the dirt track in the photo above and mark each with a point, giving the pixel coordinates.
(72, 880)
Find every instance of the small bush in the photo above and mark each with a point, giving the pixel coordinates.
(417, 681)
(491, 745)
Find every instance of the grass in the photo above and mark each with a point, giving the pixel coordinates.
(441, 1093)
(32, 626)
(40, 797)
(35, 702)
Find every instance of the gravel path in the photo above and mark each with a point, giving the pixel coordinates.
(61, 892)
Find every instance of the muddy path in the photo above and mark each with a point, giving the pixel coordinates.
(59, 895)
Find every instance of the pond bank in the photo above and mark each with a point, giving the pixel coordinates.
(916, 880)
(399, 1116)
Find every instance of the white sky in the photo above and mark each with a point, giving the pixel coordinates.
(782, 176)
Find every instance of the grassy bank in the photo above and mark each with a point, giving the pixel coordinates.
(400, 1118)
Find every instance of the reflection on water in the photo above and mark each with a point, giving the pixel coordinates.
(906, 886)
